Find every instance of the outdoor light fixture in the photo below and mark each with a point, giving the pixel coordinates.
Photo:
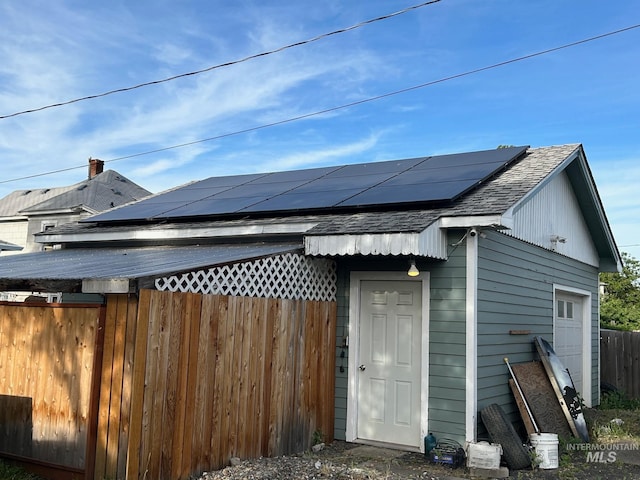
(413, 270)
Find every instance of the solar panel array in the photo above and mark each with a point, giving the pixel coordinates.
(418, 180)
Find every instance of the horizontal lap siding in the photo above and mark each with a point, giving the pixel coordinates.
(447, 347)
(515, 292)
(342, 377)
(447, 354)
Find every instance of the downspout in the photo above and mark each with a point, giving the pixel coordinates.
(471, 336)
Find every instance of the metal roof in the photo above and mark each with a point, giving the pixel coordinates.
(9, 246)
(127, 263)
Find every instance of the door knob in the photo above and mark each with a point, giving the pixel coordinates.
(362, 368)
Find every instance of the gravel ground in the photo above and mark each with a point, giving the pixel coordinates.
(339, 460)
(346, 461)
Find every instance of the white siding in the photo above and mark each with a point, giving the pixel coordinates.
(553, 212)
(13, 232)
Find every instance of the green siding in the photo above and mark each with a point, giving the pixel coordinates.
(342, 330)
(447, 346)
(515, 292)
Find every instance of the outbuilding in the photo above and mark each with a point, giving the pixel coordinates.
(249, 315)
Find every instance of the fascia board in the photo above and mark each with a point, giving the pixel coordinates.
(176, 233)
(503, 221)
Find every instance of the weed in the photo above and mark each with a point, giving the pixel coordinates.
(318, 437)
(10, 472)
(617, 400)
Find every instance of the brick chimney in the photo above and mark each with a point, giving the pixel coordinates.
(95, 167)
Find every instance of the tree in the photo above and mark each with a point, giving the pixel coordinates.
(620, 304)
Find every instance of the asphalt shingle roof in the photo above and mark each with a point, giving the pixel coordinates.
(494, 196)
(104, 191)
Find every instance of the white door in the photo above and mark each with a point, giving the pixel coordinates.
(568, 340)
(389, 369)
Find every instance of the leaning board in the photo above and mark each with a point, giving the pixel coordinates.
(541, 398)
(563, 387)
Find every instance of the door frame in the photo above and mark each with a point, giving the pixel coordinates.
(357, 277)
(587, 356)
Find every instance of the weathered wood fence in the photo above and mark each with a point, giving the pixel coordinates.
(164, 385)
(48, 398)
(193, 380)
(620, 360)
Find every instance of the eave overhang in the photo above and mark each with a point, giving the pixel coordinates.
(121, 270)
(430, 242)
(160, 233)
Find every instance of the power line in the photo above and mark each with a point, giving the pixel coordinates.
(347, 105)
(227, 64)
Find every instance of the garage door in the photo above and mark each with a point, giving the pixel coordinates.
(568, 335)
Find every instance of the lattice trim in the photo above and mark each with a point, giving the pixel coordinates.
(290, 276)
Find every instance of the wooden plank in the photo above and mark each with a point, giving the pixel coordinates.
(227, 345)
(202, 418)
(169, 415)
(94, 394)
(271, 306)
(105, 388)
(147, 457)
(159, 382)
(520, 403)
(278, 379)
(127, 385)
(244, 411)
(117, 367)
(134, 457)
(216, 370)
(187, 385)
(255, 374)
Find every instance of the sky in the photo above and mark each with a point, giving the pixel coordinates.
(240, 118)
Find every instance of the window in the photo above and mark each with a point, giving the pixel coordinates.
(564, 309)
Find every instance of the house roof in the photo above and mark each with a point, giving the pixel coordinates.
(115, 268)
(431, 181)
(381, 229)
(102, 192)
(493, 197)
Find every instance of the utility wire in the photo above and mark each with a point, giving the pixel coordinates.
(227, 64)
(347, 105)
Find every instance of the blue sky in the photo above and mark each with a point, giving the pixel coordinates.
(53, 52)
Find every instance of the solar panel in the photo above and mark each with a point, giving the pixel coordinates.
(418, 180)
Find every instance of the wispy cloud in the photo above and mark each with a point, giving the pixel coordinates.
(46, 64)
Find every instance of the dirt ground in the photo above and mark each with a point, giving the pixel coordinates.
(613, 454)
(347, 461)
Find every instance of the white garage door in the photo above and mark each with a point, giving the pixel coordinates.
(568, 338)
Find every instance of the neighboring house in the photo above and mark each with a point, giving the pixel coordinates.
(508, 243)
(24, 213)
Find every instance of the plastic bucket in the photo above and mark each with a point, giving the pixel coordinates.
(545, 446)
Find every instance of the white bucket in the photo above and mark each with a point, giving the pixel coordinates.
(545, 446)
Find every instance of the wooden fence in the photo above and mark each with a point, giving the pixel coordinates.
(189, 381)
(620, 360)
(48, 354)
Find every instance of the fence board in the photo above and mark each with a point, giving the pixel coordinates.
(620, 360)
(210, 377)
(47, 353)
